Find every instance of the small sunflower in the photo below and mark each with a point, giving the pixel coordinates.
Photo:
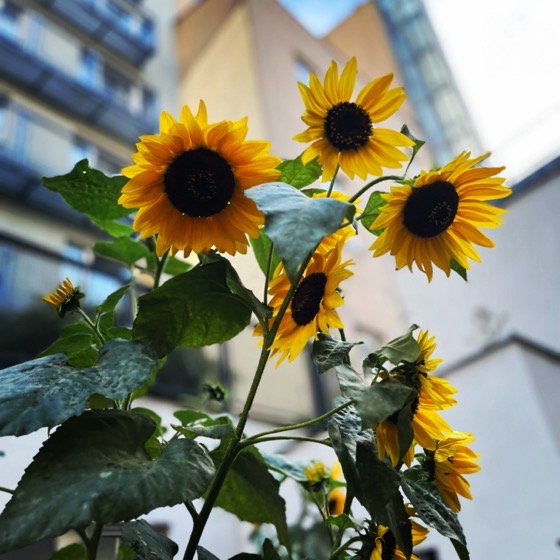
(453, 459)
(434, 392)
(386, 546)
(337, 496)
(315, 471)
(437, 218)
(65, 298)
(342, 131)
(313, 305)
(188, 184)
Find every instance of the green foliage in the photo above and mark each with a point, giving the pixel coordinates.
(295, 223)
(94, 194)
(433, 510)
(106, 310)
(122, 249)
(460, 270)
(193, 309)
(417, 144)
(146, 542)
(261, 249)
(405, 348)
(298, 175)
(330, 352)
(204, 554)
(71, 552)
(286, 466)
(372, 210)
(46, 391)
(78, 342)
(98, 471)
(250, 492)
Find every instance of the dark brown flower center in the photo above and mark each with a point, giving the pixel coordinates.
(199, 182)
(307, 298)
(431, 209)
(389, 546)
(347, 126)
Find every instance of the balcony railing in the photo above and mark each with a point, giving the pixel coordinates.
(32, 147)
(95, 103)
(125, 29)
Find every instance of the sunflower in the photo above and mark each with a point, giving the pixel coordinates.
(188, 183)
(437, 218)
(342, 131)
(386, 546)
(313, 305)
(434, 392)
(65, 298)
(428, 427)
(453, 459)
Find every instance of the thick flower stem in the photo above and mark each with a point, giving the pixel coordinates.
(159, 269)
(234, 445)
(91, 325)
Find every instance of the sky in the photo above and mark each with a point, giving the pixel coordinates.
(504, 57)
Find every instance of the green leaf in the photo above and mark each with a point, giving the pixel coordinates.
(297, 175)
(261, 248)
(188, 417)
(350, 381)
(398, 521)
(377, 402)
(122, 249)
(287, 466)
(372, 210)
(94, 194)
(269, 552)
(330, 352)
(215, 428)
(378, 480)
(106, 310)
(342, 522)
(98, 471)
(147, 543)
(193, 309)
(71, 552)
(250, 492)
(405, 348)
(78, 342)
(295, 223)
(417, 144)
(47, 391)
(460, 270)
(433, 510)
(203, 554)
(344, 429)
(174, 266)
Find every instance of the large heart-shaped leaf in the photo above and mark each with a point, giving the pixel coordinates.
(193, 309)
(92, 193)
(46, 391)
(95, 468)
(295, 223)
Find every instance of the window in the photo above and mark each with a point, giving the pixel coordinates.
(10, 18)
(90, 68)
(302, 71)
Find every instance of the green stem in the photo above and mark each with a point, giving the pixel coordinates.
(375, 182)
(159, 269)
(300, 424)
(191, 509)
(91, 325)
(234, 446)
(343, 547)
(7, 490)
(268, 271)
(92, 544)
(133, 302)
(248, 442)
(331, 186)
(347, 507)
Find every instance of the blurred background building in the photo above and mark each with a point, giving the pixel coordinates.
(84, 78)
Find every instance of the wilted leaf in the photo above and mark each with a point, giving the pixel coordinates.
(330, 352)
